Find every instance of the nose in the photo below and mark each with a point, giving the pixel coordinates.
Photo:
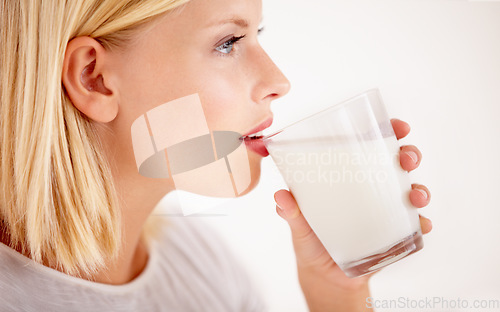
(272, 83)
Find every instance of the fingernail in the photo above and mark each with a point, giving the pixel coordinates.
(424, 193)
(413, 156)
(282, 211)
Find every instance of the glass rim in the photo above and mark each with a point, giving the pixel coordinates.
(323, 111)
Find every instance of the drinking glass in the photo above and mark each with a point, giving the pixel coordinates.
(342, 167)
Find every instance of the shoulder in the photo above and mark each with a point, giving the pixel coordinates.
(194, 246)
(19, 280)
(193, 238)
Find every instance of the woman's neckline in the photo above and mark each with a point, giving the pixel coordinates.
(139, 280)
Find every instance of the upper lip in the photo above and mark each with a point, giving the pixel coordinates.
(265, 124)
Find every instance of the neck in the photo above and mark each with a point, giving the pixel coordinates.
(136, 205)
(131, 263)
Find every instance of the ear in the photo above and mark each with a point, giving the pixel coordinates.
(87, 79)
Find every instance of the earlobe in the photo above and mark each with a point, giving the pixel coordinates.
(84, 79)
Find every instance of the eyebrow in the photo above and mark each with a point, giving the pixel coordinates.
(233, 20)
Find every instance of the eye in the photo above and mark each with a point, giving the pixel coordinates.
(228, 46)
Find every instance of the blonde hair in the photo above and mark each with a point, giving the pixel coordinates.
(57, 198)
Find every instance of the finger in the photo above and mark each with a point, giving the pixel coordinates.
(401, 128)
(287, 208)
(425, 224)
(420, 195)
(409, 157)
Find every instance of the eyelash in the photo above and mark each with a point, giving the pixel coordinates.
(231, 42)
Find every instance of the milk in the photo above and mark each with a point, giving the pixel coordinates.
(355, 197)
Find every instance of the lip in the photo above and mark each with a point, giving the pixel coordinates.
(257, 144)
(264, 125)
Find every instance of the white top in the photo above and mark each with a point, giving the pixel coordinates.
(189, 269)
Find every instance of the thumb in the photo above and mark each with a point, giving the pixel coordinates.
(287, 208)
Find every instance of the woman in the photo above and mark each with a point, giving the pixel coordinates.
(74, 76)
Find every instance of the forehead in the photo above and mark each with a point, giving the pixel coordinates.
(195, 22)
(214, 13)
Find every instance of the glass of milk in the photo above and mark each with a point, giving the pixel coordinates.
(342, 166)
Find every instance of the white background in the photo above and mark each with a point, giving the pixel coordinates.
(437, 64)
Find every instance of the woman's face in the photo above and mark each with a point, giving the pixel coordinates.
(196, 50)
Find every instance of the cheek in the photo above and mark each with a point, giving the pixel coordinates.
(224, 103)
(148, 78)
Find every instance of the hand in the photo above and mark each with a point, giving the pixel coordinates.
(318, 273)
